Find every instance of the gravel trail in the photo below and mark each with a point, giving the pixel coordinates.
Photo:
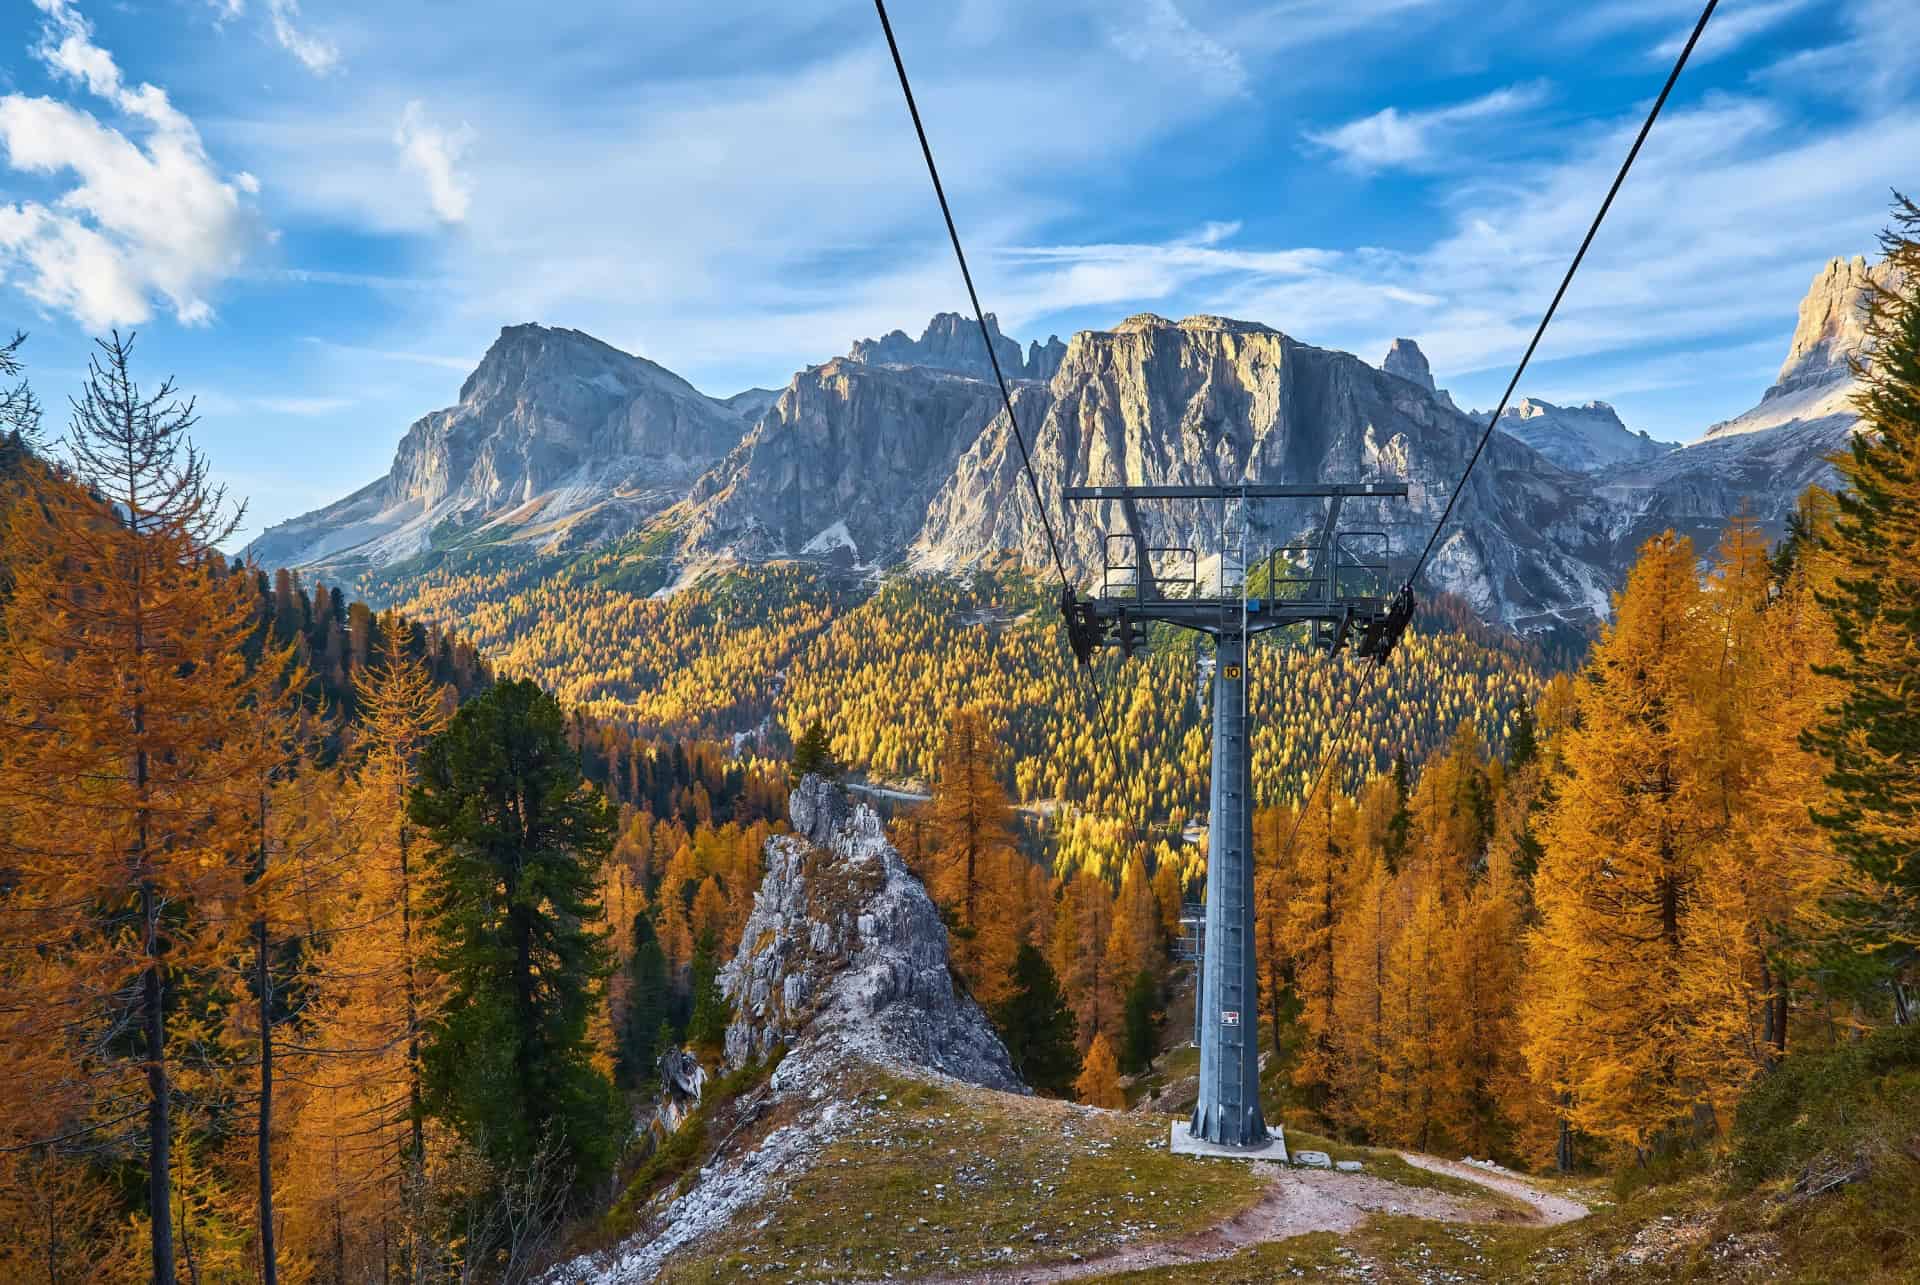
(1299, 1201)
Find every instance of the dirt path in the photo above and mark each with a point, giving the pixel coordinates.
(1299, 1201)
(1550, 1209)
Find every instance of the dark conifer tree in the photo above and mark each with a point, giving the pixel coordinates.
(1872, 736)
(1141, 1032)
(707, 1024)
(647, 986)
(1037, 1026)
(517, 841)
(813, 752)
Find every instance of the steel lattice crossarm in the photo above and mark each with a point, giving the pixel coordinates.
(1337, 583)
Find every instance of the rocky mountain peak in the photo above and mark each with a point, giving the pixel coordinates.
(534, 352)
(1044, 359)
(1405, 359)
(1815, 385)
(1832, 326)
(950, 342)
(557, 436)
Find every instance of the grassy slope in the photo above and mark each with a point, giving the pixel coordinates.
(1819, 1183)
(953, 1179)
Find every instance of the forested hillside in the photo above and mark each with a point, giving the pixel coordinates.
(769, 651)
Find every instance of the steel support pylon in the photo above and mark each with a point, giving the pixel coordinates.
(1228, 1111)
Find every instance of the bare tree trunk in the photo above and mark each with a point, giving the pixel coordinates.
(159, 1094)
(269, 1266)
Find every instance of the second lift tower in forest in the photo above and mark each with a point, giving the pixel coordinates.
(1336, 586)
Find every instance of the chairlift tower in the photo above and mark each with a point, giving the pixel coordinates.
(1337, 588)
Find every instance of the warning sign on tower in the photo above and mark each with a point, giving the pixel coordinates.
(1229, 1017)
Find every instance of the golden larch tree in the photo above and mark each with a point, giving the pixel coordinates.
(1609, 1018)
(124, 672)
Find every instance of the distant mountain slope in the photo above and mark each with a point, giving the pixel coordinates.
(557, 438)
(846, 458)
(1759, 462)
(1581, 438)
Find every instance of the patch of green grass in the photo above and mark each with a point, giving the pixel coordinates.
(1169, 1067)
(681, 1153)
(953, 1179)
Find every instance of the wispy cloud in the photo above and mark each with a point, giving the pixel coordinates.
(316, 53)
(1391, 138)
(434, 153)
(1728, 30)
(462, 364)
(1157, 31)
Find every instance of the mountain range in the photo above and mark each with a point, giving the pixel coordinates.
(900, 452)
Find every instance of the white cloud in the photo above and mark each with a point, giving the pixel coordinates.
(1391, 137)
(141, 219)
(317, 54)
(1157, 32)
(434, 153)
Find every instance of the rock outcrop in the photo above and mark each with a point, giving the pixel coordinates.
(1044, 359)
(845, 960)
(1583, 438)
(1405, 359)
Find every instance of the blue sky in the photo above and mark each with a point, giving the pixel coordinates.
(319, 214)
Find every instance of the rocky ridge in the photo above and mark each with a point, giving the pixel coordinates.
(1211, 400)
(900, 452)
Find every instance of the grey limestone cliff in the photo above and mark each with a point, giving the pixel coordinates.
(845, 959)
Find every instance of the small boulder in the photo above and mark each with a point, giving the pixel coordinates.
(1313, 1159)
(1347, 1166)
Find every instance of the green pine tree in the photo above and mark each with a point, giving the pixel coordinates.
(707, 1026)
(813, 752)
(1523, 746)
(1037, 1026)
(517, 840)
(1141, 1032)
(647, 992)
(1872, 736)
